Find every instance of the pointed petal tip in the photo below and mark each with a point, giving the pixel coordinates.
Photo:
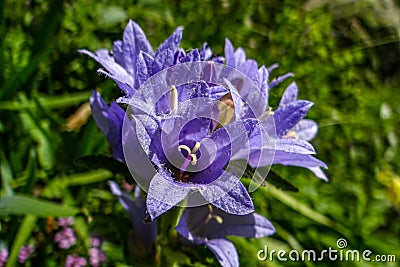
(83, 51)
(115, 190)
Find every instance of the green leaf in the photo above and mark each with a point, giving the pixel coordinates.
(82, 230)
(19, 205)
(88, 177)
(303, 209)
(50, 102)
(272, 177)
(25, 73)
(24, 231)
(45, 144)
(103, 162)
(280, 183)
(6, 175)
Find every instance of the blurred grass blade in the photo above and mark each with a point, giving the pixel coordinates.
(18, 205)
(19, 78)
(303, 209)
(45, 145)
(24, 232)
(6, 175)
(82, 230)
(103, 162)
(41, 48)
(50, 102)
(2, 34)
(50, 24)
(258, 175)
(88, 177)
(280, 183)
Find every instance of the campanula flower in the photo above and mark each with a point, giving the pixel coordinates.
(287, 131)
(209, 226)
(292, 128)
(190, 157)
(244, 91)
(109, 119)
(132, 60)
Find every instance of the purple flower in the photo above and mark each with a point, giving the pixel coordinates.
(144, 234)
(75, 261)
(237, 60)
(208, 226)
(25, 252)
(171, 145)
(291, 136)
(65, 222)
(109, 119)
(288, 132)
(3, 256)
(65, 238)
(97, 257)
(95, 241)
(132, 60)
(191, 156)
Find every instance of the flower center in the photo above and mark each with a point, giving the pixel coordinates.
(202, 224)
(210, 216)
(190, 158)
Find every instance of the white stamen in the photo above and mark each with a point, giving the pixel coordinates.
(210, 216)
(218, 219)
(191, 152)
(267, 113)
(290, 134)
(194, 159)
(196, 147)
(185, 148)
(174, 100)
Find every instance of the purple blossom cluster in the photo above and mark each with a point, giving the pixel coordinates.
(3, 256)
(25, 253)
(65, 238)
(66, 221)
(75, 261)
(96, 255)
(183, 152)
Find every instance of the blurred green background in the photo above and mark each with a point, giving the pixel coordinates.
(345, 55)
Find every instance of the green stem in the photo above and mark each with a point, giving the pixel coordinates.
(301, 208)
(167, 235)
(24, 232)
(2, 32)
